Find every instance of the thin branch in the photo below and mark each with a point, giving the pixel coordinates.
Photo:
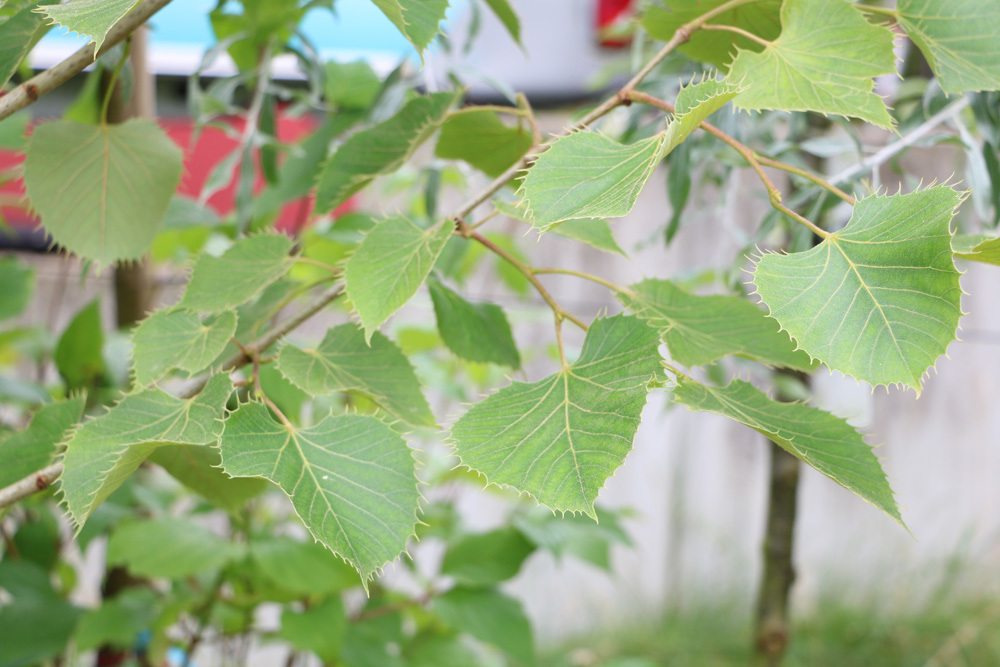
(45, 82)
(614, 287)
(737, 31)
(806, 174)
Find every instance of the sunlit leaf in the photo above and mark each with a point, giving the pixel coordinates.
(561, 438)
(878, 300)
(350, 479)
(345, 362)
(825, 60)
(102, 190)
(825, 442)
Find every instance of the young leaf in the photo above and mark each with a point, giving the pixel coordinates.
(879, 300)
(507, 16)
(169, 547)
(489, 616)
(959, 40)
(717, 47)
(826, 442)
(473, 331)
(702, 329)
(102, 190)
(595, 233)
(485, 559)
(695, 103)
(824, 60)
(90, 18)
(380, 149)
(479, 137)
(221, 283)
(344, 361)
(106, 449)
(178, 338)
(977, 248)
(560, 439)
(377, 293)
(418, 20)
(26, 451)
(350, 479)
(588, 175)
(18, 281)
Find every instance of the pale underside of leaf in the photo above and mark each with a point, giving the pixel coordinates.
(695, 103)
(344, 361)
(561, 438)
(879, 300)
(959, 38)
(350, 479)
(825, 60)
(105, 450)
(826, 442)
(977, 248)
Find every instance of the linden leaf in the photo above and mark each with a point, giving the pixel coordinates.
(479, 137)
(106, 449)
(375, 292)
(102, 190)
(879, 300)
(178, 338)
(18, 35)
(474, 331)
(826, 442)
(221, 283)
(760, 18)
(33, 448)
(824, 60)
(349, 477)
(595, 233)
(977, 248)
(561, 438)
(345, 362)
(508, 17)
(90, 18)
(418, 20)
(169, 547)
(695, 103)
(702, 329)
(380, 149)
(18, 280)
(959, 40)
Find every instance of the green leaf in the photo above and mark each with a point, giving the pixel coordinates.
(418, 20)
(303, 569)
(575, 535)
(484, 559)
(13, 129)
(381, 149)
(878, 300)
(18, 35)
(433, 650)
(345, 362)
(178, 338)
(352, 85)
(376, 293)
(696, 102)
(18, 282)
(319, 629)
(350, 479)
(958, 38)
(170, 548)
(79, 353)
(560, 439)
(90, 18)
(118, 621)
(595, 233)
(102, 190)
(702, 329)
(588, 175)
(508, 17)
(33, 448)
(824, 61)
(473, 331)
(717, 47)
(491, 617)
(977, 248)
(106, 449)
(38, 623)
(199, 469)
(479, 137)
(221, 283)
(826, 442)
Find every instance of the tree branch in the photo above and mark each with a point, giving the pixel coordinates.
(28, 92)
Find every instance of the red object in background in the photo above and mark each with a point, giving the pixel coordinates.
(612, 23)
(213, 146)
